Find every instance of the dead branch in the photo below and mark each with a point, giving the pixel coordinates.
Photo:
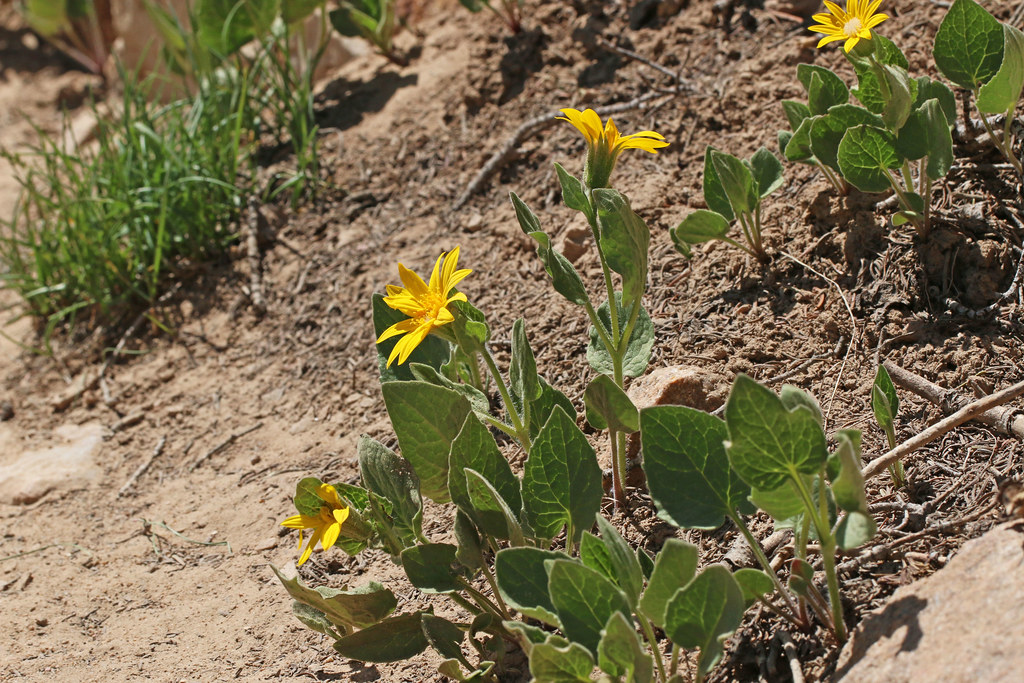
(968, 412)
(1006, 419)
(143, 467)
(224, 444)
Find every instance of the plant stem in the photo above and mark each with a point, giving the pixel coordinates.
(466, 604)
(618, 472)
(836, 181)
(483, 600)
(648, 629)
(762, 559)
(674, 666)
(499, 425)
(494, 584)
(819, 516)
(1002, 144)
(522, 433)
(474, 368)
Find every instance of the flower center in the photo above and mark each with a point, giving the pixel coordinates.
(852, 26)
(433, 303)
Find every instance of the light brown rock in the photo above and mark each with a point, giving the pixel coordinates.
(963, 623)
(67, 464)
(678, 385)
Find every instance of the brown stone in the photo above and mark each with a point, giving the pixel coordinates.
(963, 623)
(67, 463)
(678, 385)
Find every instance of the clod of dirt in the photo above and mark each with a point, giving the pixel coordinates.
(33, 474)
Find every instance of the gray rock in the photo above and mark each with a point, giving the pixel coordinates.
(963, 623)
(70, 463)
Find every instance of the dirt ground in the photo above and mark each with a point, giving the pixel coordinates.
(100, 588)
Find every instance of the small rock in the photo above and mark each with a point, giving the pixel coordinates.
(573, 244)
(963, 623)
(42, 622)
(28, 477)
(6, 411)
(267, 544)
(677, 385)
(475, 222)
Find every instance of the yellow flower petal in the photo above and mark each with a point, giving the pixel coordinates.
(330, 536)
(850, 25)
(341, 514)
(300, 522)
(329, 494)
(413, 282)
(409, 342)
(401, 327)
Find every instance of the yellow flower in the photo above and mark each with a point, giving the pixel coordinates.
(326, 525)
(425, 304)
(605, 143)
(851, 26)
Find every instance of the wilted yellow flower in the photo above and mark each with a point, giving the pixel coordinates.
(425, 304)
(605, 143)
(851, 26)
(326, 525)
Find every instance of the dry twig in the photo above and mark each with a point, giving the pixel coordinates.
(1006, 419)
(968, 412)
(250, 231)
(143, 467)
(224, 444)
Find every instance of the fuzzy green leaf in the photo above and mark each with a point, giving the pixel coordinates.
(1001, 94)
(609, 406)
(704, 614)
(968, 45)
(431, 567)
(551, 663)
(561, 479)
(824, 88)
(621, 654)
(638, 350)
(767, 171)
(390, 476)
(572, 192)
(523, 581)
(624, 240)
(674, 567)
(391, 640)
(700, 226)
(768, 443)
(563, 275)
(865, 154)
(358, 608)
(688, 472)
(584, 599)
(827, 131)
(474, 448)
(714, 192)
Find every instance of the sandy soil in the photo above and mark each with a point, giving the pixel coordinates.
(239, 408)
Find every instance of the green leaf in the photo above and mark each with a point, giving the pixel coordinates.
(795, 112)
(688, 472)
(737, 182)
(584, 600)
(767, 442)
(541, 409)
(782, 504)
(638, 350)
(391, 640)
(468, 541)
(714, 192)
(928, 89)
(474, 448)
(48, 18)
(621, 654)
(594, 554)
(898, 91)
(533, 634)
(885, 402)
(496, 518)
(855, 529)
(608, 405)
(315, 619)
(968, 45)
(307, 499)
(293, 11)
(824, 88)
(626, 570)
(674, 567)
(940, 142)
(358, 608)
(469, 327)
(865, 153)
(704, 614)
(563, 275)
(754, 584)
(431, 567)
(912, 139)
(868, 91)
(767, 171)
(827, 131)
(794, 397)
(426, 419)
(477, 399)
(1001, 94)
(523, 367)
(799, 146)
(432, 351)
(392, 477)
(351, 22)
(624, 239)
(561, 480)
(700, 226)
(443, 636)
(848, 487)
(523, 581)
(226, 25)
(572, 192)
(550, 663)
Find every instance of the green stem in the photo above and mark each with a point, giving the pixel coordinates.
(1008, 142)
(474, 368)
(494, 584)
(634, 315)
(830, 175)
(648, 629)
(466, 604)
(498, 424)
(819, 516)
(905, 203)
(674, 666)
(908, 176)
(522, 433)
(757, 233)
(762, 559)
(599, 326)
(483, 600)
(1002, 144)
(618, 472)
